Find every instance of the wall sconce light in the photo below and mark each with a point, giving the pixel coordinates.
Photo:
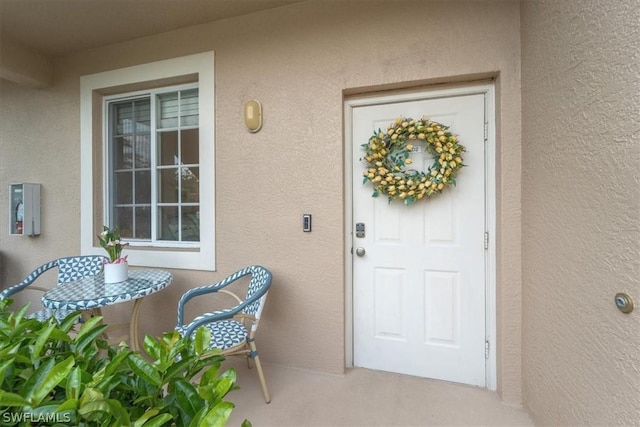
(253, 115)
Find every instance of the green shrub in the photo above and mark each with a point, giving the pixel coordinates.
(53, 376)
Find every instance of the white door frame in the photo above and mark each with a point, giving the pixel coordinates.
(488, 89)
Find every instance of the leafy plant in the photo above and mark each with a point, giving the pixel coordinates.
(110, 241)
(53, 376)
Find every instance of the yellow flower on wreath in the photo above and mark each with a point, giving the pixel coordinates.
(387, 158)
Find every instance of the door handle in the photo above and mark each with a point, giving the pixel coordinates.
(360, 252)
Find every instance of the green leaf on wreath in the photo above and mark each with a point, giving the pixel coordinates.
(375, 194)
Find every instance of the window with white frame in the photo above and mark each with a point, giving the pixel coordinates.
(154, 166)
(147, 161)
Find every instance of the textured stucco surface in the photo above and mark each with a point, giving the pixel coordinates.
(298, 61)
(581, 211)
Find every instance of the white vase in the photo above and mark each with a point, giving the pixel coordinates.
(115, 273)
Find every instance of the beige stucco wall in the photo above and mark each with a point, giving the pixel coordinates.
(581, 211)
(298, 61)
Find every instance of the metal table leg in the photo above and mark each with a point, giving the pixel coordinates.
(134, 330)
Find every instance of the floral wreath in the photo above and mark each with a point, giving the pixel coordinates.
(387, 154)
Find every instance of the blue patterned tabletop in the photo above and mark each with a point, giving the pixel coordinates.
(92, 292)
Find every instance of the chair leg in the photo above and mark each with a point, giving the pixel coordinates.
(249, 361)
(263, 383)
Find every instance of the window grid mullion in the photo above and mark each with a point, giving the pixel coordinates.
(154, 168)
(133, 170)
(179, 166)
(109, 163)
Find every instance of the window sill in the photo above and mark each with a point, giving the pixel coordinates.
(184, 259)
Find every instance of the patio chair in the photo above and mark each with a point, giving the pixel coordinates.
(69, 269)
(233, 329)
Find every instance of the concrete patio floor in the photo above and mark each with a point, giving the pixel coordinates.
(362, 397)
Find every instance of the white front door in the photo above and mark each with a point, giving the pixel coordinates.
(419, 303)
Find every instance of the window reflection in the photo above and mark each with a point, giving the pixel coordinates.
(143, 222)
(124, 219)
(168, 148)
(190, 184)
(168, 223)
(123, 187)
(189, 148)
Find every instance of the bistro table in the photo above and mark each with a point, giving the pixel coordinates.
(90, 294)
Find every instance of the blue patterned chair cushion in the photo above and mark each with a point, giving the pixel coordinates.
(224, 333)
